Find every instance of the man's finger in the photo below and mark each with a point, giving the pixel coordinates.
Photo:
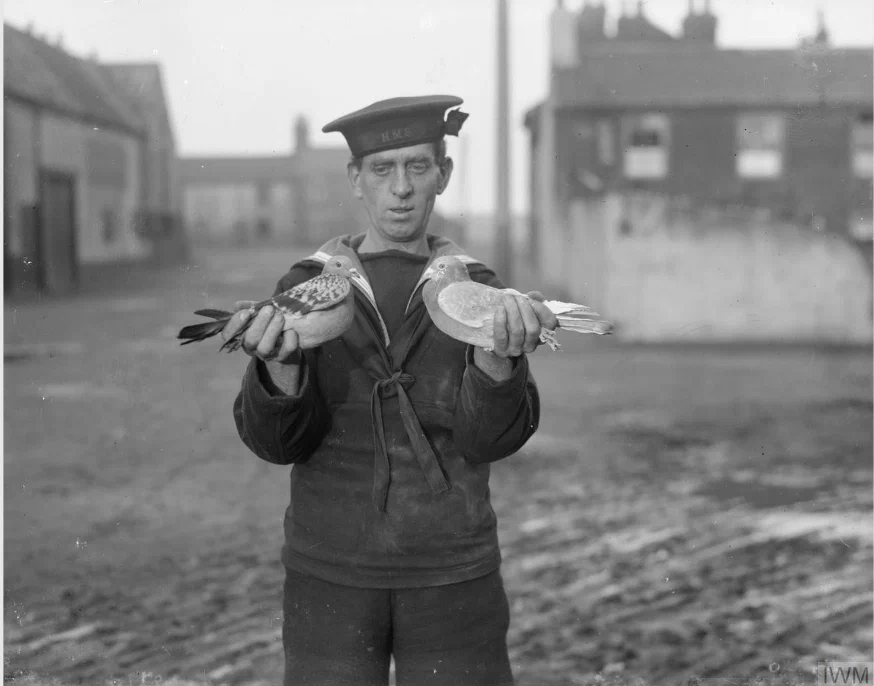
(256, 329)
(545, 315)
(267, 345)
(515, 327)
(290, 343)
(501, 339)
(244, 304)
(536, 295)
(531, 322)
(235, 323)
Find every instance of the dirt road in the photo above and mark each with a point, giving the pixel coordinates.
(681, 510)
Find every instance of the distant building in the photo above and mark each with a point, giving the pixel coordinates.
(303, 197)
(88, 166)
(785, 131)
(663, 130)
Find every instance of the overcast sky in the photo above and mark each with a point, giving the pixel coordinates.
(238, 71)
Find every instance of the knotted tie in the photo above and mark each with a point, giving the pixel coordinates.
(400, 382)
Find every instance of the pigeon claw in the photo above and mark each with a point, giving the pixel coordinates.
(548, 337)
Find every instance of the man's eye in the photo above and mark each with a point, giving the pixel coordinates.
(419, 167)
(382, 170)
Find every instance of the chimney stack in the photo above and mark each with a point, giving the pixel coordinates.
(700, 29)
(562, 37)
(301, 134)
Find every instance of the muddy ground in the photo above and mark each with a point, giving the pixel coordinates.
(682, 510)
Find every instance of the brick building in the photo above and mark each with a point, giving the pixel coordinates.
(782, 132)
(643, 133)
(88, 166)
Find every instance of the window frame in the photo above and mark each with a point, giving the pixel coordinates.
(777, 149)
(634, 123)
(862, 171)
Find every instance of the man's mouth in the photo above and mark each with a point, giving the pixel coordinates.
(403, 209)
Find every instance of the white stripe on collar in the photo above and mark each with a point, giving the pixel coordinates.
(359, 279)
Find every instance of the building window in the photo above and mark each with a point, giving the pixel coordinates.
(606, 151)
(262, 190)
(862, 226)
(760, 146)
(863, 146)
(646, 144)
(108, 225)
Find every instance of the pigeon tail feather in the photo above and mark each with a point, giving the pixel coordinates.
(559, 307)
(214, 314)
(587, 324)
(200, 332)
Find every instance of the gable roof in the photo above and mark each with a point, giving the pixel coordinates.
(48, 77)
(678, 76)
(143, 85)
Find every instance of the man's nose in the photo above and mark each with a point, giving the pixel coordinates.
(401, 185)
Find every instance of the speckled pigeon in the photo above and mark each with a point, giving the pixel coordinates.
(465, 309)
(319, 310)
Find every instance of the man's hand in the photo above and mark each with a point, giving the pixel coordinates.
(517, 325)
(266, 341)
(264, 338)
(516, 331)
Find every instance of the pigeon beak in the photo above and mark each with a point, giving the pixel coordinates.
(354, 272)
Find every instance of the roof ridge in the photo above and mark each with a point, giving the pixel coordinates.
(70, 84)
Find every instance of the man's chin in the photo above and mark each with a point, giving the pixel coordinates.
(403, 232)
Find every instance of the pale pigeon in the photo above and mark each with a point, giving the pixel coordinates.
(465, 309)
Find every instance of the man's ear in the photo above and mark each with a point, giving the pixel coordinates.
(354, 174)
(445, 174)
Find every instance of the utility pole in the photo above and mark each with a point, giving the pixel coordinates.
(464, 208)
(503, 239)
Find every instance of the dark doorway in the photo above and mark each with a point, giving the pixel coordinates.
(57, 232)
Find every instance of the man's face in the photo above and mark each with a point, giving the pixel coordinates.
(398, 188)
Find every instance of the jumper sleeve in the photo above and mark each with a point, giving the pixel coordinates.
(280, 428)
(494, 419)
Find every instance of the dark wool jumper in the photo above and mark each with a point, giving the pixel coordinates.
(391, 435)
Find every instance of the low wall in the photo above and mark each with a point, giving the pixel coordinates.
(662, 277)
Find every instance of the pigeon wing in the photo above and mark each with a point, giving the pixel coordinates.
(319, 293)
(469, 303)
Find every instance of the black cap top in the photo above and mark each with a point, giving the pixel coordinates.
(398, 123)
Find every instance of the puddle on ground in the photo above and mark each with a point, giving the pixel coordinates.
(142, 346)
(830, 525)
(80, 391)
(238, 276)
(759, 495)
(637, 419)
(24, 351)
(225, 384)
(548, 443)
(134, 304)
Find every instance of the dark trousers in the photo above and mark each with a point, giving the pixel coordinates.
(454, 635)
